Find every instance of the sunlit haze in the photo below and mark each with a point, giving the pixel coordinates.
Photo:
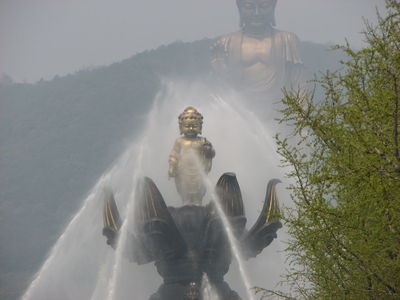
(43, 38)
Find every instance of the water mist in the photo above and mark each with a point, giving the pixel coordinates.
(82, 266)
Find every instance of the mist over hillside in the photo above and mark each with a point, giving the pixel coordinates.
(57, 137)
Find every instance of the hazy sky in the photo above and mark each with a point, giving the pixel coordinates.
(42, 38)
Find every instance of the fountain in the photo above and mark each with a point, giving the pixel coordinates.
(193, 240)
(81, 266)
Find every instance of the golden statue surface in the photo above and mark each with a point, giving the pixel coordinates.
(258, 59)
(190, 158)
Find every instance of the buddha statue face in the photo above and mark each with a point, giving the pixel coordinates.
(191, 129)
(256, 15)
(190, 122)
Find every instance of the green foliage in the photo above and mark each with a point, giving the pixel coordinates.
(344, 157)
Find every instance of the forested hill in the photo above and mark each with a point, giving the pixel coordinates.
(57, 137)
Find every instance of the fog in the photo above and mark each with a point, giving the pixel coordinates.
(42, 38)
(59, 137)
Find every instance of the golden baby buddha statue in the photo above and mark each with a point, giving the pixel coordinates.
(190, 158)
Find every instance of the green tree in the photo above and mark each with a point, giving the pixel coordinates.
(344, 157)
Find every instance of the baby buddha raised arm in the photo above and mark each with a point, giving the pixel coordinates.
(191, 158)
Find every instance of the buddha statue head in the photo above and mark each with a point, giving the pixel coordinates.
(190, 122)
(256, 15)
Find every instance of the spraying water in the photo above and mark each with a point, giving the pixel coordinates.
(232, 242)
(82, 266)
(121, 245)
(208, 292)
(227, 227)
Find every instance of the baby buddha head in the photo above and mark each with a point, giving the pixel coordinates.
(190, 122)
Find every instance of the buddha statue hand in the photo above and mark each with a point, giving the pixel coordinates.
(171, 171)
(208, 150)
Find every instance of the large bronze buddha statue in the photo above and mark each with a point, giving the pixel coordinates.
(258, 60)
